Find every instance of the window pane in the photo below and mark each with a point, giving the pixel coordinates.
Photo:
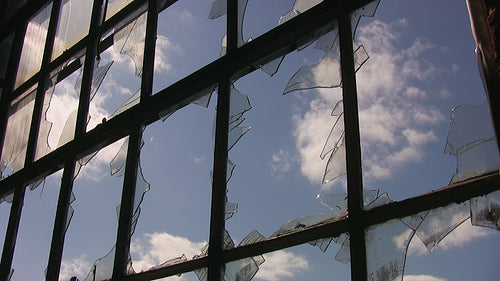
(17, 132)
(33, 46)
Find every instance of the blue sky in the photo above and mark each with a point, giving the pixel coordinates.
(421, 64)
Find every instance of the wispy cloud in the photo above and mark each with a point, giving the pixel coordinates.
(397, 117)
(282, 162)
(280, 265)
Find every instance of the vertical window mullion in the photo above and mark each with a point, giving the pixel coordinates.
(216, 266)
(59, 232)
(134, 147)
(353, 148)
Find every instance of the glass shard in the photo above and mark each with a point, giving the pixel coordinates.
(301, 223)
(177, 260)
(102, 269)
(245, 269)
(206, 94)
(336, 163)
(130, 41)
(386, 248)
(230, 210)
(219, 8)
(97, 78)
(239, 104)
(337, 203)
(338, 109)
(42, 145)
(434, 225)
(336, 135)
(470, 125)
(235, 135)
(117, 164)
(17, 131)
(73, 24)
(472, 140)
(133, 100)
(33, 46)
(326, 73)
(485, 210)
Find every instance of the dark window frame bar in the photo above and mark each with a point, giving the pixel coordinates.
(238, 62)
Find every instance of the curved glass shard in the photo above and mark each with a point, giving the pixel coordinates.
(336, 163)
(336, 135)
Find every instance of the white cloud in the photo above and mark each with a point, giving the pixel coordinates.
(164, 47)
(78, 267)
(397, 116)
(422, 278)
(156, 248)
(281, 264)
(463, 234)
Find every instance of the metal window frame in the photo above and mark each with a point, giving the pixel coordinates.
(237, 62)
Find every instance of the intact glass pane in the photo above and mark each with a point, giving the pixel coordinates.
(114, 6)
(33, 46)
(17, 132)
(73, 25)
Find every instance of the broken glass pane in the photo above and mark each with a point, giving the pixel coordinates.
(337, 203)
(73, 24)
(102, 268)
(472, 140)
(17, 132)
(130, 41)
(386, 247)
(432, 226)
(366, 11)
(33, 46)
(485, 210)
